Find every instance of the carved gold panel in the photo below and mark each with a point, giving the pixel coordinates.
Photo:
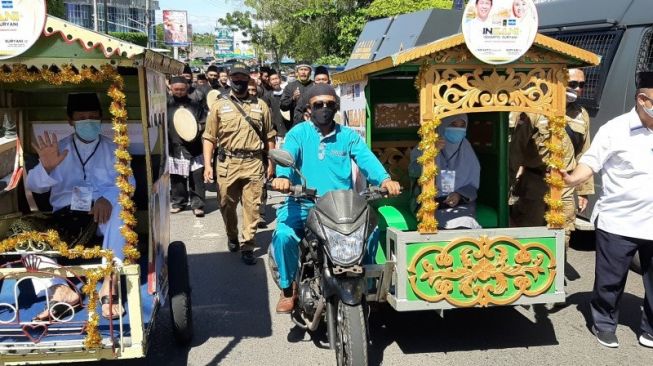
(480, 272)
(395, 157)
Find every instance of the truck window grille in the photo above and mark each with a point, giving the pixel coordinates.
(604, 43)
(645, 59)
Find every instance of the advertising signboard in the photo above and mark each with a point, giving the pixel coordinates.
(175, 28)
(499, 31)
(21, 25)
(224, 43)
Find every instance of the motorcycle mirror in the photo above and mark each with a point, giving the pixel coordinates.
(282, 158)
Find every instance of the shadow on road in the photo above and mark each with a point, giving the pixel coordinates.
(630, 311)
(459, 330)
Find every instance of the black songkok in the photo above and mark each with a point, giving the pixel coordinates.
(83, 102)
(644, 80)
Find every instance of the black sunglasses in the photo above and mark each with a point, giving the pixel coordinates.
(321, 104)
(576, 84)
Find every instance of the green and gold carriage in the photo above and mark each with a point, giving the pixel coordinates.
(130, 81)
(406, 95)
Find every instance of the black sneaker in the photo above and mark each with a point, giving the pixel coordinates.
(248, 257)
(646, 340)
(233, 246)
(607, 339)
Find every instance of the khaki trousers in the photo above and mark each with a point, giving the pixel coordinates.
(240, 180)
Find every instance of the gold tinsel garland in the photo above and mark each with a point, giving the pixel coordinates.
(428, 204)
(555, 216)
(19, 73)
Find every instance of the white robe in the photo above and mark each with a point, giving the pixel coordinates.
(100, 176)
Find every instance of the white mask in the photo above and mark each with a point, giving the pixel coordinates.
(648, 111)
(572, 95)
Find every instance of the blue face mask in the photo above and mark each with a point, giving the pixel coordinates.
(454, 135)
(88, 129)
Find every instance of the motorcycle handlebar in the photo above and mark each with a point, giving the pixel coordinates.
(296, 190)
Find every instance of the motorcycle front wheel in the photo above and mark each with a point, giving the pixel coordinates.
(351, 335)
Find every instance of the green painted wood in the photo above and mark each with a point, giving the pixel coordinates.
(412, 250)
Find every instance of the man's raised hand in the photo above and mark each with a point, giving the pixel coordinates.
(48, 149)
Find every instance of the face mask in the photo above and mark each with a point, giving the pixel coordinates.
(323, 116)
(239, 86)
(454, 134)
(572, 95)
(180, 99)
(88, 129)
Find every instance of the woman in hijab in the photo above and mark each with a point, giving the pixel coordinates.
(458, 177)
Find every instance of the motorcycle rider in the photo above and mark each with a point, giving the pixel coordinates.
(323, 151)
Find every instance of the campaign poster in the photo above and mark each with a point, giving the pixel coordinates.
(499, 31)
(21, 25)
(175, 28)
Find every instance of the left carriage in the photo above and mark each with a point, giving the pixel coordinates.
(130, 82)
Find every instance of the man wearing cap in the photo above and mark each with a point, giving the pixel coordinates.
(622, 151)
(187, 73)
(240, 126)
(324, 151)
(294, 90)
(321, 77)
(186, 119)
(79, 173)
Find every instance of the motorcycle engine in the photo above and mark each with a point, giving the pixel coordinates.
(309, 296)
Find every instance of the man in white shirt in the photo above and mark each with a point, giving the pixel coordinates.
(622, 151)
(79, 173)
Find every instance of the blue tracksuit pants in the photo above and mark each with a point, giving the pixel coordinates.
(291, 219)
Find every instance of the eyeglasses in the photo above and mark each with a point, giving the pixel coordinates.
(321, 104)
(576, 84)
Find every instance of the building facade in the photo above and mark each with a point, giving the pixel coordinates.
(120, 15)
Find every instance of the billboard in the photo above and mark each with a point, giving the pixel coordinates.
(224, 43)
(175, 28)
(500, 31)
(21, 24)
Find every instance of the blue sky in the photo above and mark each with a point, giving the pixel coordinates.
(202, 14)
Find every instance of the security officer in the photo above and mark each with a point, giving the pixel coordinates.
(528, 153)
(240, 126)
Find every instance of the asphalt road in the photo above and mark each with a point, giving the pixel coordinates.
(235, 323)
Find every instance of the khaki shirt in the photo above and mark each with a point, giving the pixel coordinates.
(227, 127)
(528, 148)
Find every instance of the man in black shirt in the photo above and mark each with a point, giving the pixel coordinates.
(294, 90)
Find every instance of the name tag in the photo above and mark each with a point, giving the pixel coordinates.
(448, 180)
(81, 199)
(226, 109)
(257, 110)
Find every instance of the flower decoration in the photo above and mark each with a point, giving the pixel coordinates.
(426, 199)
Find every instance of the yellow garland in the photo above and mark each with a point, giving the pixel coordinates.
(69, 75)
(555, 216)
(428, 204)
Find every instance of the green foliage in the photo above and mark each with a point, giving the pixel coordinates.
(56, 8)
(131, 37)
(387, 8)
(331, 61)
(203, 39)
(323, 31)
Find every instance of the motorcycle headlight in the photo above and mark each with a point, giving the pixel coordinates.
(345, 249)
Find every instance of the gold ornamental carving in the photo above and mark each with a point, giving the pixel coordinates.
(485, 275)
(479, 90)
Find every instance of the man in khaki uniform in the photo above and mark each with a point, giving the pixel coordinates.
(528, 152)
(239, 125)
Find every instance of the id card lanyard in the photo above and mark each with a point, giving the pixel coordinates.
(79, 156)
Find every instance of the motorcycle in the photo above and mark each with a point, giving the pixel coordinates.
(331, 278)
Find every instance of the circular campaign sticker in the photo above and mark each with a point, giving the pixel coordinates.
(21, 25)
(499, 31)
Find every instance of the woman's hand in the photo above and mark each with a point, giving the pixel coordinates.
(453, 199)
